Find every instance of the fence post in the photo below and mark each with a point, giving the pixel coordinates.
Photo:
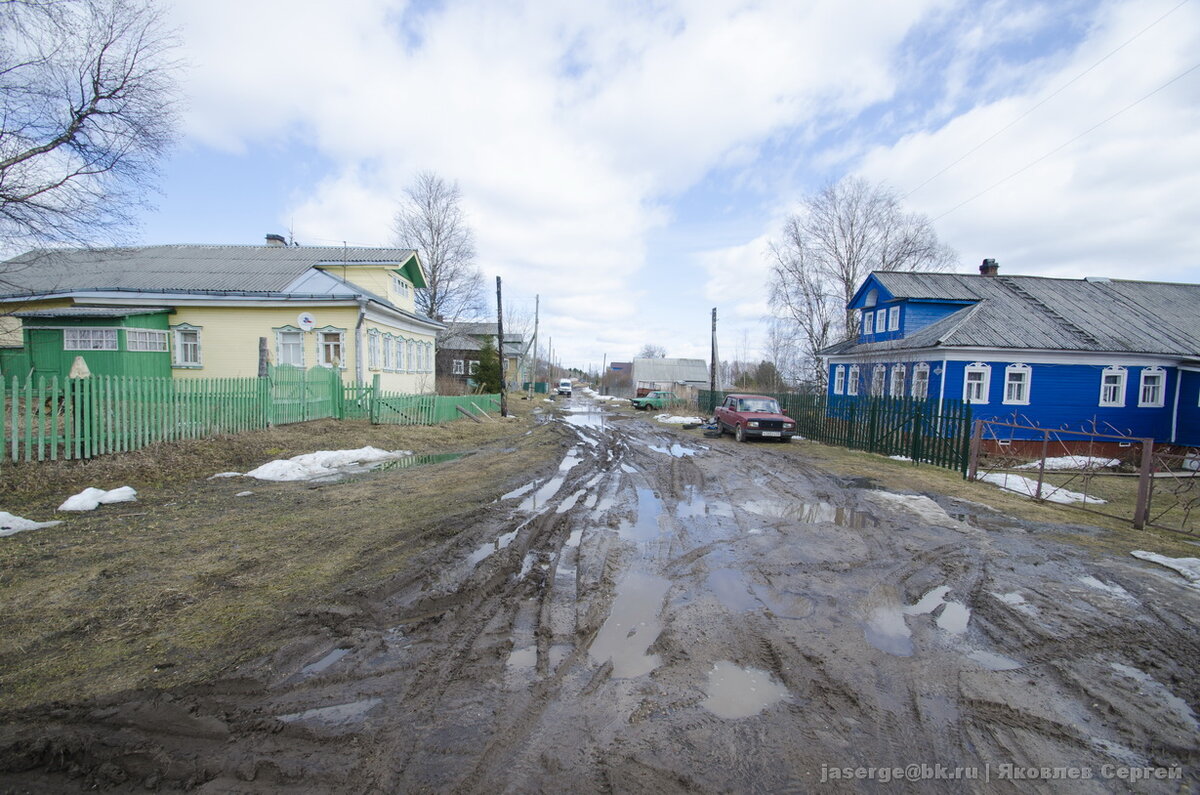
(1042, 465)
(373, 400)
(1141, 513)
(973, 455)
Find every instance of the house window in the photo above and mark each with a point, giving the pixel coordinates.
(920, 381)
(186, 351)
(145, 340)
(401, 287)
(373, 350)
(473, 367)
(975, 383)
(852, 383)
(411, 356)
(866, 323)
(1151, 392)
(1112, 386)
(839, 380)
(90, 339)
(898, 373)
(878, 374)
(881, 321)
(894, 319)
(330, 348)
(459, 367)
(1016, 384)
(289, 346)
(429, 357)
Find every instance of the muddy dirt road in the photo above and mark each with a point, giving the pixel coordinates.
(655, 616)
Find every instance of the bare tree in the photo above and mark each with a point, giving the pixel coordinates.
(431, 220)
(651, 351)
(88, 92)
(843, 232)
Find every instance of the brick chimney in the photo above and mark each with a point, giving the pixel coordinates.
(989, 268)
(276, 240)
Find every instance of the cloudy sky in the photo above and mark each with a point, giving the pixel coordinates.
(629, 160)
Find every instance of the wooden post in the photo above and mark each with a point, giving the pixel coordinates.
(1042, 465)
(500, 347)
(973, 456)
(1141, 513)
(712, 366)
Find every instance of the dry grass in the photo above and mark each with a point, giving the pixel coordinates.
(191, 579)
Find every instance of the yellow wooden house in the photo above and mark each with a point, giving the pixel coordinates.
(201, 311)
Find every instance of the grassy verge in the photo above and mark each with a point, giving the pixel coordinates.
(192, 579)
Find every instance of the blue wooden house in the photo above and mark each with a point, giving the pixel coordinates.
(1108, 356)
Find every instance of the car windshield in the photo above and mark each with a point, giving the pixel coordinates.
(758, 405)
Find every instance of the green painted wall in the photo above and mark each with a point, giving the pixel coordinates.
(44, 345)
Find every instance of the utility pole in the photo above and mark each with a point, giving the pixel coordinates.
(603, 370)
(712, 370)
(537, 299)
(500, 346)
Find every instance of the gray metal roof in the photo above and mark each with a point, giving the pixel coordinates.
(671, 371)
(267, 269)
(93, 311)
(1031, 312)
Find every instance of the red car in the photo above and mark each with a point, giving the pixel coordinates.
(754, 415)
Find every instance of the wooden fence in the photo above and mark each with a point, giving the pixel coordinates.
(925, 431)
(86, 417)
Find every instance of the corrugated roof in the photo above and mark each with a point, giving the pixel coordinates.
(670, 371)
(268, 269)
(1032, 312)
(93, 311)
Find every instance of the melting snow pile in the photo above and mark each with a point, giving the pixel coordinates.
(1188, 567)
(1073, 462)
(322, 463)
(668, 419)
(11, 525)
(1023, 485)
(89, 499)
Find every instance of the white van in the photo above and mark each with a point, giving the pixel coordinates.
(564, 386)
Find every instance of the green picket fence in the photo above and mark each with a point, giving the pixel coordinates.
(44, 420)
(930, 431)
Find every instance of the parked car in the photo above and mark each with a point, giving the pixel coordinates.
(747, 416)
(564, 386)
(655, 400)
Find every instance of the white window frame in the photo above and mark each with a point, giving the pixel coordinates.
(179, 346)
(894, 318)
(325, 345)
(881, 321)
(984, 383)
(920, 376)
(410, 356)
(373, 349)
(146, 340)
(460, 367)
(1119, 388)
(896, 390)
(290, 331)
(839, 379)
(1024, 384)
(866, 322)
(473, 367)
(401, 286)
(90, 339)
(878, 380)
(852, 380)
(1160, 389)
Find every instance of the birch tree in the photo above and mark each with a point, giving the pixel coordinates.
(431, 220)
(88, 93)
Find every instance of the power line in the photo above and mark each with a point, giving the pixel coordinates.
(1046, 99)
(1060, 147)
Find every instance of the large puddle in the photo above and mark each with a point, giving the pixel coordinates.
(551, 486)
(734, 692)
(812, 513)
(887, 630)
(645, 526)
(632, 626)
(336, 715)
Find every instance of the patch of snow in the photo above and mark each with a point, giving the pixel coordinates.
(1023, 485)
(11, 525)
(900, 458)
(677, 450)
(243, 494)
(670, 419)
(1073, 462)
(225, 475)
(923, 507)
(91, 498)
(322, 463)
(1188, 567)
(1112, 590)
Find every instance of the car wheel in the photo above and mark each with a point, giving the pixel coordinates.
(739, 433)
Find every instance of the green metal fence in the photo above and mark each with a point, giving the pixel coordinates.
(930, 431)
(86, 417)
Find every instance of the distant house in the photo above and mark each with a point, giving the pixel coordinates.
(199, 312)
(651, 374)
(1102, 355)
(618, 379)
(458, 353)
